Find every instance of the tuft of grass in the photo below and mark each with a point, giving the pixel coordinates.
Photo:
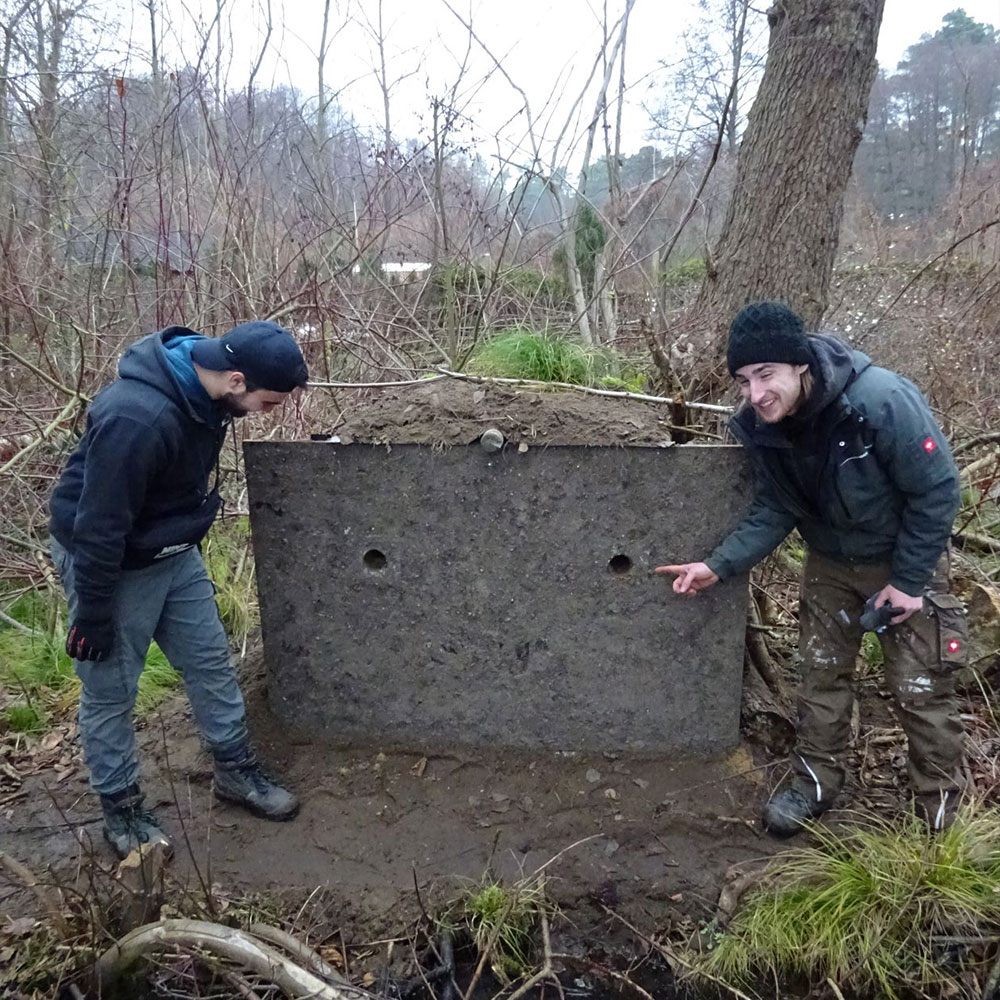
(871, 650)
(24, 719)
(867, 908)
(228, 556)
(547, 357)
(522, 353)
(501, 921)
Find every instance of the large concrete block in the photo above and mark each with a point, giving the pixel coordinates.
(423, 597)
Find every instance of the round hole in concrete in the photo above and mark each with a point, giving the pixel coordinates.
(619, 564)
(375, 560)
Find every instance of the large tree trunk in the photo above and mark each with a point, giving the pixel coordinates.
(781, 230)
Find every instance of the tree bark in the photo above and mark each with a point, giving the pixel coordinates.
(781, 230)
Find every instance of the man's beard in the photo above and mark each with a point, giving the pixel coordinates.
(230, 402)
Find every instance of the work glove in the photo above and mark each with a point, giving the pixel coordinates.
(90, 638)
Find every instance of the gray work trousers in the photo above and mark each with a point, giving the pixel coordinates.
(173, 602)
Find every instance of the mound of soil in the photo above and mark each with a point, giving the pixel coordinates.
(447, 412)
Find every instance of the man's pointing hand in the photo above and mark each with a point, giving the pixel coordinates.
(690, 577)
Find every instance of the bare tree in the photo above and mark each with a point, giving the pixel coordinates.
(781, 230)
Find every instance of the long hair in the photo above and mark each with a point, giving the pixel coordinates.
(808, 382)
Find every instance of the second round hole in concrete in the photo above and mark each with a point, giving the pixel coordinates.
(619, 564)
(374, 559)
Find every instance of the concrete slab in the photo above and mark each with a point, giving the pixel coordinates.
(424, 597)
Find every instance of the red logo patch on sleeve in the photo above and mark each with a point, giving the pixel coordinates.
(929, 445)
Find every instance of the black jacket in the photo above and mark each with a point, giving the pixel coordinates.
(864, 472)
(138, 482)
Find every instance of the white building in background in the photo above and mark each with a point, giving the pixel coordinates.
(399, 268)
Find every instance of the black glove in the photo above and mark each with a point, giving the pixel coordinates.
(90, 638)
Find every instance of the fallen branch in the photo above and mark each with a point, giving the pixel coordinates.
(299, 949)
(971, 539)
(236, 980)
(970, 470)
(972, 442)
(20, 626)
(221, 942)
(545, 971)
(373, 385)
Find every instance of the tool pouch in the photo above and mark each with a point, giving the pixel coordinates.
(952, 631)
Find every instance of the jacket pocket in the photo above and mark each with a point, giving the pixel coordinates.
(952, 631)
(185, 528)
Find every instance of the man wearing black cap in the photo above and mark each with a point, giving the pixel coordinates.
(128, 513)
(851, 455)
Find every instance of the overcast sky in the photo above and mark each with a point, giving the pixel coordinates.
(546, 47)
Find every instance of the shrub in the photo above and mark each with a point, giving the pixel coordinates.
(684, 272)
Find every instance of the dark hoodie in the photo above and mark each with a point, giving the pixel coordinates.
(862, 470)
(136, 488)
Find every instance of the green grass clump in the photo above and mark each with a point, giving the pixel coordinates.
(24, 719)
(522, 353)
(501, 920)
(871, 649)
(547, 357)
(228, 558)
(863, 908)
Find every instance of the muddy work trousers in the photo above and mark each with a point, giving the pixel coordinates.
(921, 656)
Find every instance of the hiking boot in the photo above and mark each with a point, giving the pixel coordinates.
(128, 827)
(785, 813)
(240, 779)
(936, 809)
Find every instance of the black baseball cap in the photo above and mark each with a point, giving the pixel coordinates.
(263, 351)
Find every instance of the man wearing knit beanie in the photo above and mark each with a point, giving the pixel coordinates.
(850, 455)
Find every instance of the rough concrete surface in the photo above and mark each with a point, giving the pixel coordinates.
(421, 596)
